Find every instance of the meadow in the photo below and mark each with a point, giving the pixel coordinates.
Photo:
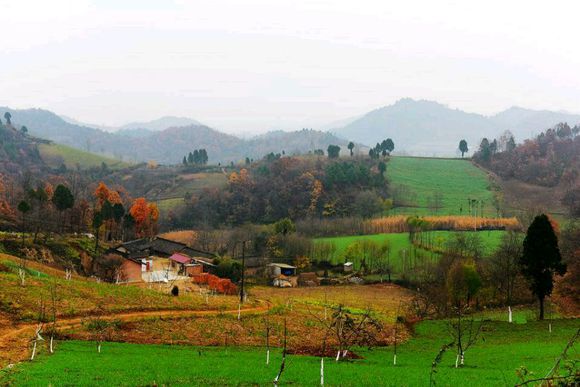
(56, 154)
(493, 360)
(400, 244)
(455, 180)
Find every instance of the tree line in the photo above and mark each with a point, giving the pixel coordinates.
(197, 157)
(293, 187)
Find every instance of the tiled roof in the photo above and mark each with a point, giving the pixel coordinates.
(180, 258)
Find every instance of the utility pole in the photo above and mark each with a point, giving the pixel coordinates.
(242, 290)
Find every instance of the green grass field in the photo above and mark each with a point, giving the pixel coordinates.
(56, 154)
(456, 180)
(399, 242)
(493, 360)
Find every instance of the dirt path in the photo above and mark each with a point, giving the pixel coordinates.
(13, 339)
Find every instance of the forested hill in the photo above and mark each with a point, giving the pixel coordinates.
(551, 159)
(19, 153)
(168, 146)
(429, 128)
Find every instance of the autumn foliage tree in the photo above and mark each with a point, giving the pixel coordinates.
(145, 216)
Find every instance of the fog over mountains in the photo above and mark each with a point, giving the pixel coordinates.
(418, 127)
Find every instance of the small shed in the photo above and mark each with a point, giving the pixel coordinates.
(277, 269)
(347, 267)
(179, 261)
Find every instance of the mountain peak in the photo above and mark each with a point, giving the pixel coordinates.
(161, 123)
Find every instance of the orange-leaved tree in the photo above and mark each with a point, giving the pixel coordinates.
(145, 216)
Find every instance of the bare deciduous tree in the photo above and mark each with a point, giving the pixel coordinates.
(436, 362)
(553, 377)
(349, 330)
(22, 271)
(100, 328)
(283, 364)
(39, 326)
(53, 325)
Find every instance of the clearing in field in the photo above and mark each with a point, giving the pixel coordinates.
(438, 186)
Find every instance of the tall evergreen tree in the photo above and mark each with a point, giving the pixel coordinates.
(351, 147)
(541, 259)
(484, 150)
(63, 200)
(389, 145)
(463, 147)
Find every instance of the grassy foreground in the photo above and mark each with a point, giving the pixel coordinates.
(492, 361)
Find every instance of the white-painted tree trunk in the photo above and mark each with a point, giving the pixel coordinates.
(344, 353)
(510, 314)
(267, 357)
(239, 311)
(322, 371)
(338, 355)
(51, 340)
(462, 358)
(33, 350)
(457, 361)
(394, 359)
(99, 348)
(550, 327)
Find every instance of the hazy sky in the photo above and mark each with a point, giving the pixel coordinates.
(256, 65)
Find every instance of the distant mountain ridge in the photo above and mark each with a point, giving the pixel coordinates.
(424, 128)
(428, 128)
(161, 123)
(167, 146)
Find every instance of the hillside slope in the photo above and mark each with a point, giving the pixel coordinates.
(438, 186)
(167, 146)
(19, 153)
(429, 128)
(55, 155)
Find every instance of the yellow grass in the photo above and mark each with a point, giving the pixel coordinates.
(391, 224)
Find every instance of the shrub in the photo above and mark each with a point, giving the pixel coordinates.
(4, 268)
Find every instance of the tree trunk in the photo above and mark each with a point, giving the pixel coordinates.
(541, 308)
